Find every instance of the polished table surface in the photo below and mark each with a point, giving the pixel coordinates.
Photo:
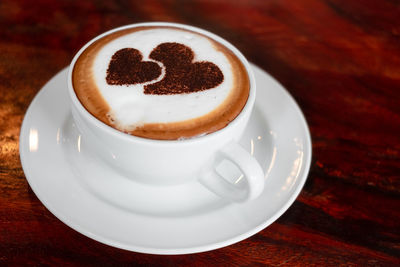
(340, 60)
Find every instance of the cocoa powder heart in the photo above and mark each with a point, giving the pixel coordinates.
(126, 67)
(181, 74)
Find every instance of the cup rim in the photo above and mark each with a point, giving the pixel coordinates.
(132, 138)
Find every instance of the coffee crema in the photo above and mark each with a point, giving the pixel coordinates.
(161, 82)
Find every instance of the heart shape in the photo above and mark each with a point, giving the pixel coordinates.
(181, 74)
(126, 67)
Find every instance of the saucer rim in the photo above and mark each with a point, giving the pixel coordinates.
(182, 250)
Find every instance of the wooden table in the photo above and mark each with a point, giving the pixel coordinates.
(339, 59)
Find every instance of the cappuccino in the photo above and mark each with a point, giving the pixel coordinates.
(161, 82)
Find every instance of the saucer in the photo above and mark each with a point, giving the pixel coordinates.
(96, 201)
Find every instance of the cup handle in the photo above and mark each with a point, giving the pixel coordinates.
(253, 175)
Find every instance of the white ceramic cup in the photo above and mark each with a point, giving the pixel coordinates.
(164, 162)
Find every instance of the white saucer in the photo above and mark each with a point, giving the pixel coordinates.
(105, 206)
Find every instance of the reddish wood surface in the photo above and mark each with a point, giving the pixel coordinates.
(339, 59)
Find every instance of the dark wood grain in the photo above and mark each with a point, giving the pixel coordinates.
(339, 59)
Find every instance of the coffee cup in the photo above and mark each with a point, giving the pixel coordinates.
(180, 159)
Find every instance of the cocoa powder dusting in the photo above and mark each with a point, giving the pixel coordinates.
(181, 75)
(126, 67)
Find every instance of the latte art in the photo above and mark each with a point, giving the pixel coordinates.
(161, 82)
(126, 67)
(181, 75)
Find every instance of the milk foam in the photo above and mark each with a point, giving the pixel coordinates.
(131, 108)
